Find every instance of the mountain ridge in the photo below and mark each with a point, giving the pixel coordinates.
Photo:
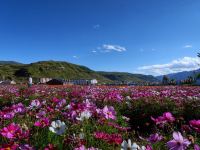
(65, 70)
(181, 75)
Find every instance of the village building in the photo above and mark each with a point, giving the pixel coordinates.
(45, 80)
(94, 81)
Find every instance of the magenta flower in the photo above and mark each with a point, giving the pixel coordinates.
(195, 124)
(41, 114)
(166, 117)
(35, 104)
(9, 115)
(109, 112)
(13, 131)
(179, 142)
(42, 122)
(155, 138)
(10, 146)
(10, 131)
(196, 147)
(18, 108)
(26, 147)
(149, 147)
(169, 117)
(110, 138)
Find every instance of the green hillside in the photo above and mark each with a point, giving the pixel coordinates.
(128, 77)
(64, 70)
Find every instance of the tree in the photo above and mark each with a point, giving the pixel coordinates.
(165, 80)
(22, 73)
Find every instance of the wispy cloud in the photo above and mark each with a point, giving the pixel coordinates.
(76, 57)
(187, 46)
(110, 48)
(94, 51)
(178, 65)
(141, 50)
(96, 26)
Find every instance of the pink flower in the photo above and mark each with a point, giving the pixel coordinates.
(155, 138)
(10, 131)
(109, 112)
(82, 147)
(115, 138)
(149, 147)
(166, 117)
(110, 138)
(9, 115)
(26, 147)
(10, 146)
(178, 143)
(100, 135)
(196, 147)
(42, 122)
(169, 117)
(195, 124)
(18, 108)
(35, 104)
(13, 131)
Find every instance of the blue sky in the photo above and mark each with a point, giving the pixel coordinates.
(138, 36)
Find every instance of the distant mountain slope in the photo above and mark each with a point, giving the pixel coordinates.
(9, 62)
(65, 70)
(124, 76)
(181, 75)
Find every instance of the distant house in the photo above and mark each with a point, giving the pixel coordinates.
(45, 80)
(94, 81)
(6, 82)
(13, 82)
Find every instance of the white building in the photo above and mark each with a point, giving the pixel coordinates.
(94, 81)
(45, 80)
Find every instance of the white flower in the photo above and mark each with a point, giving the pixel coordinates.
(81, 135)
(129, 146)
(128, 98)
(84, 115)
(57, 127)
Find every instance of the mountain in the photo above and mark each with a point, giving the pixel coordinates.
(9, 62)
(181, 75)
(129, 77)
(64, 70)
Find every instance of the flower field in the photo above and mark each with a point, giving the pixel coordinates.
(99, 117)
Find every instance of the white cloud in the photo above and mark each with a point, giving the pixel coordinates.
(178, 65)
(188, 46)
(109, 48)
(94, 51)
(76, 57)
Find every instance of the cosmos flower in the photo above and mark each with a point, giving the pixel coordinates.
(57, 127)
(35, 104)
(196, 147)
(26, 147)
(129, 146)
(42, 122)
(155, 138)
(195, 124)
(109, 112)
(166, 117)
(13, 131)
(179, 142)
(84, 115)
